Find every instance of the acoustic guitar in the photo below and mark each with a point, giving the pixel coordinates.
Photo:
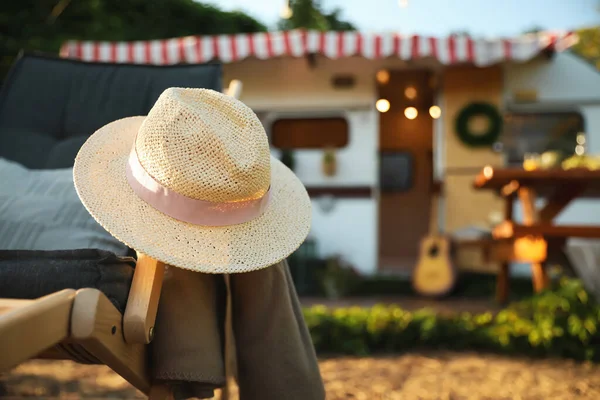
(435, 274)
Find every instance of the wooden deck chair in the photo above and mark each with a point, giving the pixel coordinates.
(85, 326)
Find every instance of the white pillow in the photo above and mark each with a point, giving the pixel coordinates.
(40, 210)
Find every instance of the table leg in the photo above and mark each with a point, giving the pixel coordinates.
(530, 216)
(503, 279)
(539, 277)
(502, 282)
(527, 199)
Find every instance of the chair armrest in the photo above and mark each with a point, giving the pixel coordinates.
(142, 304)
(28, 327)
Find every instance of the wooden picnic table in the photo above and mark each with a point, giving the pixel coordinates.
(528, 241)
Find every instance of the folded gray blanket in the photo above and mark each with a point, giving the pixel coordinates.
(275, 355)
(273, 349)
(188, 346)
(40, 210)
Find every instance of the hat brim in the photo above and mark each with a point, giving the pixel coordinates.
(101, 183)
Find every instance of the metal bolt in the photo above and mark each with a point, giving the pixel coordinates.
(151, 333)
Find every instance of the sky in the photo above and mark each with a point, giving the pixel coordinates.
(441, 17)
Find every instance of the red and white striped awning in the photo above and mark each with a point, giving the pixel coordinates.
(297, 43)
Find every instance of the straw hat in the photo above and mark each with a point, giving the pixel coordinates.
(193, 184)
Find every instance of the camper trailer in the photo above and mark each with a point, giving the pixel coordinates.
(368, 123)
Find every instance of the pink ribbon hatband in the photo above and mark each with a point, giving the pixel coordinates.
(183, 208)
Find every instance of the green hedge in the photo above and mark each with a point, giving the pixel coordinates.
(562, 322)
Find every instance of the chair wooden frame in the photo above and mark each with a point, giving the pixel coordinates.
(86, 320)
(85, 324)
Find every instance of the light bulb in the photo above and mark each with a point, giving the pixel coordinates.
(383, 76)
(403, 3)
(410, 112)
(435, 112)
(410, 92)
(382, 105)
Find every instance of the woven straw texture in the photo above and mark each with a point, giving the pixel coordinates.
(207, 146)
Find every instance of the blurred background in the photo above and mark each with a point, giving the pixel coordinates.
(411, 123)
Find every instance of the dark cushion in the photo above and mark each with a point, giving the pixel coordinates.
(63, 153)
(46, 101)
(26, 147)
(31, 274)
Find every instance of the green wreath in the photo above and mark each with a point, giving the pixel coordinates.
(488, 137)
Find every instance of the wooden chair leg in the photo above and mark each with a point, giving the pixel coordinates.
(502, 283)
(97, 326)
(539, 277)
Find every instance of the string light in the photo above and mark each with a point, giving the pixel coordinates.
(383, 76)
(410, 112)
(410, 92)
(382, 105)
(435, 112)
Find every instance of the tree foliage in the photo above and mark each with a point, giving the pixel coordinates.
(534, 29)
(44, 25)
(309, 14)
(588, 46)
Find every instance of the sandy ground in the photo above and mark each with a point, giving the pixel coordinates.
(439, 375)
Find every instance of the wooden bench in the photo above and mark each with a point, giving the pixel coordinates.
(529, 239)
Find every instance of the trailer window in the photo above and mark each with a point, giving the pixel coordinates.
(539, 132)
(309, 133)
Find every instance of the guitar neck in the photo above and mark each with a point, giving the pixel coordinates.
(434, 222)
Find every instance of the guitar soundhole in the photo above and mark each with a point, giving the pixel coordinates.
(434, 251)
